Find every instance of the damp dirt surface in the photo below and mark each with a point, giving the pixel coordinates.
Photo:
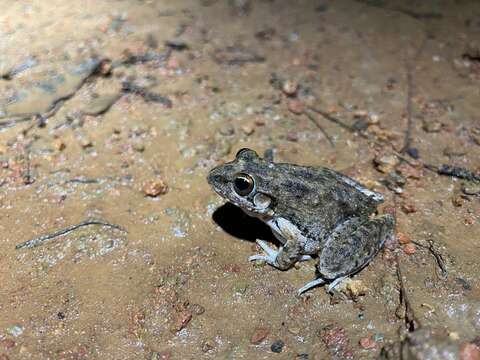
(112, 114)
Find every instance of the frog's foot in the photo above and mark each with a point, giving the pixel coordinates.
(334, 283)
(310, 285)
(270, 257)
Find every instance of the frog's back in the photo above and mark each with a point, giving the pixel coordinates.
(320, 198)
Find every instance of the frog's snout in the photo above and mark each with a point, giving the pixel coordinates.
(216, 178)
(213, 177)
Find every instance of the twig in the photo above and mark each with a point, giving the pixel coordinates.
(320, 127)
(134, 59)
(15, 120)
(82, 181)
(40, 240)
(331, 118)
(458, 172)
(56, 103)
(19, 68)
(411, 321)
(438, 257)
(410, 93)
(147, 95)
(27, 176)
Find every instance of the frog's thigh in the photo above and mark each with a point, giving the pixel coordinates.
(353, 245)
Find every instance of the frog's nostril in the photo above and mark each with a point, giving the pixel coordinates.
(214, 178)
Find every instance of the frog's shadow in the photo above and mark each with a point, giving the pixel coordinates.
(235, 222)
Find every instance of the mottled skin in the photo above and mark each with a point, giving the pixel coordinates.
(311, 210)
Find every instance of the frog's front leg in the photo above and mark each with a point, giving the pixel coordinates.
(283, 259)
(292, 249)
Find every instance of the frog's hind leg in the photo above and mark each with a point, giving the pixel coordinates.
(352, 246)
(334, 283)
(310, 285)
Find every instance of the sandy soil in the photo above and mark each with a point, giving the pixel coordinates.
(116, 110)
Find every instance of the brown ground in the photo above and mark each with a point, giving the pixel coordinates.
(178, 285)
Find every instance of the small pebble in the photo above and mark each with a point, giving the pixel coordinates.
(367, 343)
(182, 320)
(208, 345)
(403, 238)
(385, 163)
(292, 136)
(15, 330)
(413, 153)
(290, 88)
(409, 249)
(469, 351)
(454, 335)
(432, 126)
(295, 106)
(105, 68)
(59, 145)
(408, 208)
(85, 142)
(259, 335)
(227, 130)
(155, 188)
(248, 129)
(259, 122)
(277, 346)
(410, 172)
(7, 344)
(197, 309)
(138, 147)
(458, 201)
(356, 288)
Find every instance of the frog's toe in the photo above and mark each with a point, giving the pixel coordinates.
(268, 250)
(268, 259)
(310, 285)
(335, 282)
(305, 258)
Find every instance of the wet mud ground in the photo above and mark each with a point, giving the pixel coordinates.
(116, 110)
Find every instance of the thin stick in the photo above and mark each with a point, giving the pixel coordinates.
(40, 240)
(331, 118)
(14, 121)
(410, 93)
(411, 321)
(320, 127)
(438, 257)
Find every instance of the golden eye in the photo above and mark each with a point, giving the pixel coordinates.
(243, 184)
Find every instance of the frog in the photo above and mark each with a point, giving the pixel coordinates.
(314, 212)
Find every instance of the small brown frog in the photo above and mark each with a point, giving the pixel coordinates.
(311, 210)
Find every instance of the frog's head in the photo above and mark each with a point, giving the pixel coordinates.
(241, 182)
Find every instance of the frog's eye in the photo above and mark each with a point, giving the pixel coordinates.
(243, 184)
